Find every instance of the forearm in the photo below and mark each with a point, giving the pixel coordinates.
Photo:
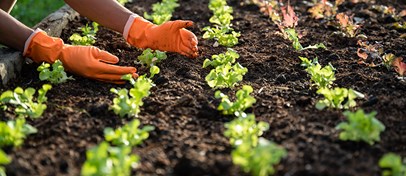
(12, 32)
(7, 5)
(108, 13)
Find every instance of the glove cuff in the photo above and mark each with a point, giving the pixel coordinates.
(28, 41)
(137, 33)
(42, 48)
(128, 25)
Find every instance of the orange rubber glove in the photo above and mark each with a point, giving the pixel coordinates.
(87, 61)
(170, 36)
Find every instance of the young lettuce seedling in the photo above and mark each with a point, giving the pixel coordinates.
(334, 98)
(150, 57)
(361, 127)
(23, 101)
(13, 133)
(109, 161)
(258, 160)
(224, 36)
(128, 103)
(392, 165)
(4, 160)
(162, 12)
(347, 25)
(243, 101)
(325, 9)
(55, 76)
(128, 135)
(245, 130)
(229, 57)
(321, 77)
(225, 76)
(400, 66)
(221, 31)
(88, 36)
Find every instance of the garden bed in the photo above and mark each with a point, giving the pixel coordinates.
(188, 137)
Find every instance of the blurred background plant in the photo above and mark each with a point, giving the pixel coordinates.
(31, 12)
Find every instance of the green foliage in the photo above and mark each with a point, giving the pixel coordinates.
(150, 57)
(128, 135)
(339, 98)
(55, 76)
(221, 31)
(162, 12)
(293, 36)
(4, 160)
(321, 77)
(129, 102)
(361, 127)
(259, 160)
(229, 57)
(226, 76)
(393, 165)
(23, 101)
(243, 101)
(109, 161)
(13, 133)
(88, 36)
(225, 36)
(245, 130)
(32, 12)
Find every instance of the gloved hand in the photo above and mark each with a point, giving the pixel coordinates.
(170, 36)
(87, 61)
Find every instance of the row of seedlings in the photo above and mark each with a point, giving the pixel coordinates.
(26, 105)
(113, 156)
(362, 126)
(254, 154)
(286, 19)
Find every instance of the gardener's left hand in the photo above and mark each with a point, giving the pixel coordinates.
(170, 36)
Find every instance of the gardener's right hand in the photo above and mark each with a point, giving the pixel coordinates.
(87, 61)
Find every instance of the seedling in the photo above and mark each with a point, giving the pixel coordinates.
(361, 127)
(88, 36)
(221, 31)
(338, 98)
(293, 36)
(224, 36)
(392, 165)
(243, 101)
(226, 76)
(259, 160)
(128, 135)
(229, 57)
(325, 9)
(109, 161)
(162, 12)
(389, 10)
(4, 160)
(321, 77)
(56, 75)
(400, 66)
(23, 101)
(244, 130)
(150, 57)
(128, 103)
(13, 133)
(347, 25)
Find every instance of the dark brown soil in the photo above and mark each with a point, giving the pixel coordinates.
(188, 139)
